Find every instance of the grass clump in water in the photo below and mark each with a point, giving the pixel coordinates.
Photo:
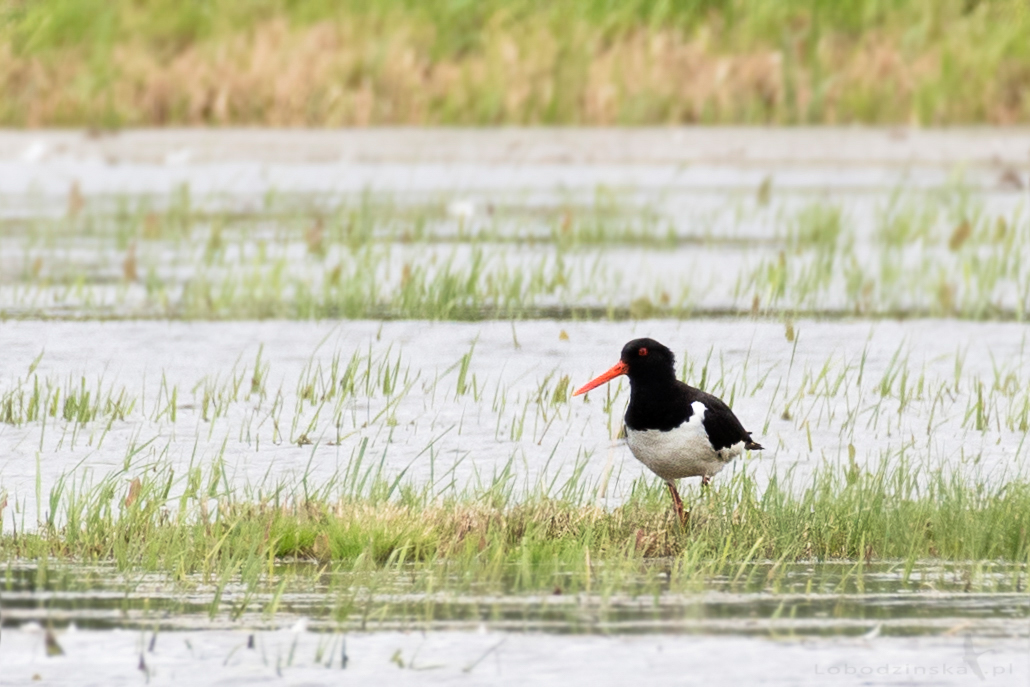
(197, 525)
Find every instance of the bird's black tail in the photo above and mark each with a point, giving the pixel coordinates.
(752, 445)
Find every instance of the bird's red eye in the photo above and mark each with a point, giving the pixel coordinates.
(642, 351)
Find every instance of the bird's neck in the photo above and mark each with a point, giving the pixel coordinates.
(651, 389)
(652, 404)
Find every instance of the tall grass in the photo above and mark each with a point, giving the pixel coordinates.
(315, 62)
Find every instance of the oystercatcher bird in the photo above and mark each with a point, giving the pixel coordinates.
(672, 428)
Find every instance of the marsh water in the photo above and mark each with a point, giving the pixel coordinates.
(856, 296)
(927, 628)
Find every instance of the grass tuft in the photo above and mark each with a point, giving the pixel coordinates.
(190, 524)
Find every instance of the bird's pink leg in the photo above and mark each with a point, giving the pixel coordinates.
(677, 503)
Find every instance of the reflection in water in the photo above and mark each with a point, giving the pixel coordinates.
(810, 599)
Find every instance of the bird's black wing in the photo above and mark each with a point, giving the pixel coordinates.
(721, 425)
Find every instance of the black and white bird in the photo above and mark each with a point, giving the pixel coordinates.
(672, 428)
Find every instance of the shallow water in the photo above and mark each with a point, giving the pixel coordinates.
(808, 599)
(691, 231)
(294, 656)
(924, 628)
(259, 437)
(920, 627)
(714, 222)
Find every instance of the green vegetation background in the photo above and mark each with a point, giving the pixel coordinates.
(111, 63)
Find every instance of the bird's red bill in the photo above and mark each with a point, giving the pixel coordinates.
(619, 368)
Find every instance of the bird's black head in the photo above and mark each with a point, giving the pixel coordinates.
(645, 361)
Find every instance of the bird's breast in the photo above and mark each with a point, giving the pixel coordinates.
(683, 451)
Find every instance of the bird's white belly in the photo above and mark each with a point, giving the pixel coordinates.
(684, 451)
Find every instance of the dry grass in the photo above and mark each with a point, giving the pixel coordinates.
(363, 69)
